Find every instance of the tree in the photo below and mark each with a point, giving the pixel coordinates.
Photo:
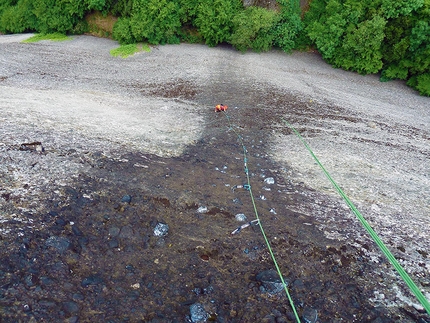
(157, 21)
(214, 19)
(253, 29)
(18, 17)
(361, 47)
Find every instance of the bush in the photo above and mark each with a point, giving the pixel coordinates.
(361, 47)
(421, 83)
(253, 29)
(58, 15)
(214, 19)
(288, 27)
(17, 18)
(122, 31)
(370, 36)
(189, 10)
(157, 21)
(122, 8)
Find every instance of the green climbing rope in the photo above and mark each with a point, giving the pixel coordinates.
(249, 188)
(415, 290)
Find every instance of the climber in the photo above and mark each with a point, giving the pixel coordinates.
(220, 107)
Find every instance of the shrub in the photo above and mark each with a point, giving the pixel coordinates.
(361, 47)
(122, 31)
(157, 21)
(421, 83)
(17, 18)
(122, 8)
(214, 19)
(288, 27)
(58, 15)
(253, 29)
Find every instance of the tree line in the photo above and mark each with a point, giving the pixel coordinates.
(390, 37)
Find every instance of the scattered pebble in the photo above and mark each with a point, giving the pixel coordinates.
(202, 209)
(310, 315)
(198, 313)
(240, 217)
(237, 201)
(270, 282)
(161, 229)
(135, 286)
(126, 199)
(269, 180)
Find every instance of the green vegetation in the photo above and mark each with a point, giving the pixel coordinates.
(52, 37)
(124, 51)
(390, 37)
(253, 28)
(387, 36)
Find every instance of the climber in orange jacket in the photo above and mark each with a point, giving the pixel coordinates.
(220, 107)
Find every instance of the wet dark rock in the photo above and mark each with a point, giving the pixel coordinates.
(309, 315)
(134, 295)
(47, 303)
(61, 244)
(83, 241)
(298, 284)
(198, 313)
(60, 222)
(113, 243)
(76, 231)
(130, 268)
(126, 199)
(281, 319)
(126, 232)
(59, 268)
(26, 308)
(268, 319)
(53, 213)
(23, 248)
(82, 201)
(73, 319)
(71, 307)
(71, 191)
(30, 280)
(46, 281)
(114, 231)
(422, 320)
(91, 280)
(78, 297)
(354, 302)
(270, 282)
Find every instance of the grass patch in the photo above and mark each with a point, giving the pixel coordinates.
(128, 50)
(52, 37)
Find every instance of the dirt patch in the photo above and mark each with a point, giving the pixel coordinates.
(100, 25)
